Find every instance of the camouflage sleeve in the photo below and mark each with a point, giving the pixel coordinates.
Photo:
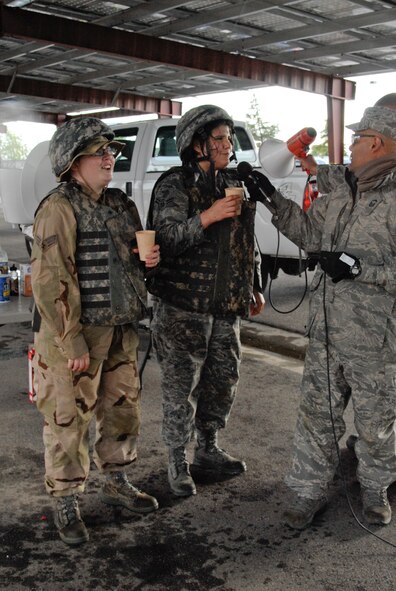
(176, 231)
(382, 272)
(383, 275)
(330, 177)
(54, 276)
(303, 228)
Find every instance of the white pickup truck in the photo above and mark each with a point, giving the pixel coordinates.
(149, 150)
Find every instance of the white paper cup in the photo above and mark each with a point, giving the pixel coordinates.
(145, 242)
(236, 191)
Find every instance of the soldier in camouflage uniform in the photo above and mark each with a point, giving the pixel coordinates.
(352, 320)
(205, 283)
(89, 292)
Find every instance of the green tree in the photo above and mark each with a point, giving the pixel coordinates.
(260, 129)
(321, 149)
(12, 147)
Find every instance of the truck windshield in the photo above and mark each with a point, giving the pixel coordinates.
(123, 162)
(165, 153)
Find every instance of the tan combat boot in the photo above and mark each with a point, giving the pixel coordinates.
(67, 518)
(118, 491)
(302, 511)
(376, 508)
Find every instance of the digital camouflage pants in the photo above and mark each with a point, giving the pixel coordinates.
(367, 378)
(199, 356)
(109, 391)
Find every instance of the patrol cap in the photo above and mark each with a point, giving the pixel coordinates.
(379, 119)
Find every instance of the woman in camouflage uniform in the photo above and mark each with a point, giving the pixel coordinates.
(208, 278)
(89, 292)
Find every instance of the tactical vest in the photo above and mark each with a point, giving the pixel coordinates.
(215, 276)
(112, 287)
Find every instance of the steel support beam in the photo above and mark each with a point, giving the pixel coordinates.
(91, 97)
(335, 117)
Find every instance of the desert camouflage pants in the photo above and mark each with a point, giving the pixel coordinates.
(109, 391)
(366, 376)
(199, 356)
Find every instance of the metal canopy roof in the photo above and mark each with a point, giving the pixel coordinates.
(58, 56)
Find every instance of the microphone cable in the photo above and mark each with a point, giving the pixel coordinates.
(275, 264)
(270, 285)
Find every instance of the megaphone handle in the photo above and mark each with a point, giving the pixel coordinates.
(308, 164)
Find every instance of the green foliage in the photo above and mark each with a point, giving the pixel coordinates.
(11, 147)
(321, 149)
(260, 129)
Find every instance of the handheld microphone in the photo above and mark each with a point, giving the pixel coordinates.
(260, 182)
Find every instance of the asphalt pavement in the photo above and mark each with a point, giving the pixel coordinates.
(229, 537)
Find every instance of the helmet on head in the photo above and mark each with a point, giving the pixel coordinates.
(73, 138)
(195, 121)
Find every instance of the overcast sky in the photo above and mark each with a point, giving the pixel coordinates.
(291, 110)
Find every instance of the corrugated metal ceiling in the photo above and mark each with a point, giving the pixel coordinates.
(54, 57)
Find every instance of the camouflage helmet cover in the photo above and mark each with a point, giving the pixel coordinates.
(71, 138)
(194, 120)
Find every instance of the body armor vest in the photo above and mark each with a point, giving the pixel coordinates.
(112, 287)
(215, 276)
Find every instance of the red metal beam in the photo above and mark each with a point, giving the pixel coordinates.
(30, 25)
(335, 127)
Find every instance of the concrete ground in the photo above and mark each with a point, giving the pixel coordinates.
(229, 537)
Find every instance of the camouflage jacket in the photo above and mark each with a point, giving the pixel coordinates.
(209, 270)
(359, 311)
(56, 284)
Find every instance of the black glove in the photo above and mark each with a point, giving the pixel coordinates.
(340, 265)
(257, 184)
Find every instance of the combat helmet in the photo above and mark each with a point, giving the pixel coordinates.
(74, 138)
(195, 121)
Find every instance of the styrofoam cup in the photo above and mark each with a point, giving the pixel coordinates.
(145, 242)
(236, 191)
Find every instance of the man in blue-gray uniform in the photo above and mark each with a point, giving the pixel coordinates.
(352, 321)
(207, 280)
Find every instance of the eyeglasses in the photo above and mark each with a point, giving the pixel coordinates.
(356, 137)
(111, 150)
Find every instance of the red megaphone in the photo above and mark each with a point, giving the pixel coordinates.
(299, 143)
(277, 157)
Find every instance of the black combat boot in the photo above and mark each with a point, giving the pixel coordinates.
(180, 481)
(208, 456)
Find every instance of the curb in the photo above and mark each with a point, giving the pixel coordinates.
(273, 339)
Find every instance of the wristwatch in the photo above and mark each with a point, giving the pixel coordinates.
(355, 270)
